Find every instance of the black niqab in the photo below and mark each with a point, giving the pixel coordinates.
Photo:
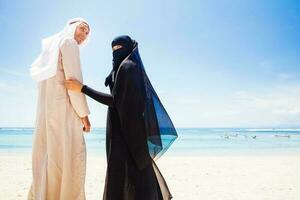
(119, 55)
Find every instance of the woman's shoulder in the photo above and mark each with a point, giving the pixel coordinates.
(129, 69)
(129, 65)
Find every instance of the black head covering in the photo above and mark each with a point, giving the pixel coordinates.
(120, 54)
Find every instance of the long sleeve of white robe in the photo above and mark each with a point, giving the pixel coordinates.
(72, 68)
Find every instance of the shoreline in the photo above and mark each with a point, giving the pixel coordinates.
(186, 153)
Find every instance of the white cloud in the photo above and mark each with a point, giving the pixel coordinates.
(277, 107)
(280, 106)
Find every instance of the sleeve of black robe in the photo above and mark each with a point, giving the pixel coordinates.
(128, 97)
(103, 98)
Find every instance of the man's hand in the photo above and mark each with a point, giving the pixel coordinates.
(86, 124)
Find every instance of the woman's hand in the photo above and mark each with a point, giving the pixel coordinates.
(73, 85)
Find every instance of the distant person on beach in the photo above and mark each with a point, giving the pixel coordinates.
(59, 151)
(139, 129)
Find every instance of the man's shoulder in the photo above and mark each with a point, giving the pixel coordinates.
(68, 42)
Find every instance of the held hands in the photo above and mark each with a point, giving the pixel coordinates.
(73, 84)
(86, 124)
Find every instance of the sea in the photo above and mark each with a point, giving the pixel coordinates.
(190, 141)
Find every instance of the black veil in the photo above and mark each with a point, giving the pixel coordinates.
(160, 130)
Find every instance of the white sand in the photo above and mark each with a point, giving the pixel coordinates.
(207, 177)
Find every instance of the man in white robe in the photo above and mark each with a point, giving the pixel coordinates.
(59, 151)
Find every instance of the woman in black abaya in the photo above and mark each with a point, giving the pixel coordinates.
(139, 129)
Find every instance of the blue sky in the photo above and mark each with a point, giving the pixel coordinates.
(213, 63)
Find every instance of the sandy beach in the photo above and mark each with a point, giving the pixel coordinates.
(209, 177)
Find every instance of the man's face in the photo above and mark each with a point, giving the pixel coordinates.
(81, 32)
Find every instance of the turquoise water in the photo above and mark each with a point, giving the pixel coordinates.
(190, 140)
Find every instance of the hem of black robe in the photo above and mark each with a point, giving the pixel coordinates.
(166, 194)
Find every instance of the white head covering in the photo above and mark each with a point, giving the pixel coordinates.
(45, 65)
